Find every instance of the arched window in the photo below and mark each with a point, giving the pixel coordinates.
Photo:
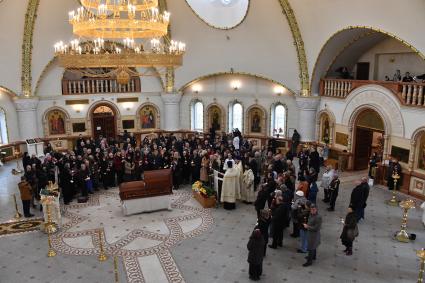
(197, 116)
(235, 116)
(4, 139)
(278, 120)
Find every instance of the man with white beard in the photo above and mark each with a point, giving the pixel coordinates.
(326, 180)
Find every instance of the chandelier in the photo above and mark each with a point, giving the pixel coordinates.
(120, 34)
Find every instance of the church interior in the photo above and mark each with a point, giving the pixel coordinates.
(212, 141)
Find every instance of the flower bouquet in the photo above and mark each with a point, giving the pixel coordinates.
(204, 194)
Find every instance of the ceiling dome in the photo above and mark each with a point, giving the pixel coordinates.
(220, 14)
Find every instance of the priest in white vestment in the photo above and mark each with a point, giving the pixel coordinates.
(230, 191)
(247, 190)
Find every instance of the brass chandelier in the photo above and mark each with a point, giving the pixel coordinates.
(115, 34)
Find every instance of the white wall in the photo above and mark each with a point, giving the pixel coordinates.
(12, 19)
(261, 45)
(253, 91)
(388, 56)
(7, 104)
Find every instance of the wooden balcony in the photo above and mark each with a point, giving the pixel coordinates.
(99, 85)
(409, 94)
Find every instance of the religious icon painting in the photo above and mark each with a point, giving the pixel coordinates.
(56, 120)
(255, 120)
(148, 117)
(215, 117)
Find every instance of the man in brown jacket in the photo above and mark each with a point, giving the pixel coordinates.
(26, 194)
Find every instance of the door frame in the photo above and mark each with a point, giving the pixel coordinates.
(355, 157)
(353, 133)
(117, 117)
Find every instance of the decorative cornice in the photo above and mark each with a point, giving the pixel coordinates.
(30, 17)
(237, 74)
(299, 45)
(25, 104)
(222, 28)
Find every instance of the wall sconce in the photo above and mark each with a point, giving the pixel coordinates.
(235, 85)
(196, 88)
(78, 107)
(128, 105)
(279, 90)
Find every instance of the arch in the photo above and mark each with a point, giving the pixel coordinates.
(262, 124)
(157, 116)
(46, 122)
(364, 37)
(8, 91)
(208, 119)
(94, 106)
(192, 116)
(379, 99)
(272, 118)
(208, 76)
(230, 121)
(319, 127)
(415, 149)
(4, 134)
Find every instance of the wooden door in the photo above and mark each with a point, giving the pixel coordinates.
(104, 125)
(362, 71)
(363, 148)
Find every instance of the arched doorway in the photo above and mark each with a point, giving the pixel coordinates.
(369, 137)
(104, 121)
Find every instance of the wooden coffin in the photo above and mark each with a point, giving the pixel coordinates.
(155, 183)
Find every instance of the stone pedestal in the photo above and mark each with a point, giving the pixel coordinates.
(171, 111)
(307, 107)
(27, 117)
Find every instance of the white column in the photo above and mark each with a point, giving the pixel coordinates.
(27, 117)
(171, 111)
(307, 107)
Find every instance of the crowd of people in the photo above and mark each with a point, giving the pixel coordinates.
(263, 177)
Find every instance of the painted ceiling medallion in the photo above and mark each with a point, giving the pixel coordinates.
(220, 14)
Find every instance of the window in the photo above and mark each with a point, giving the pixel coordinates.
(235, 116)
(278, 121)
(3, 128)
(197, 116)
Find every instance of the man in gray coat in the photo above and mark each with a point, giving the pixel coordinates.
(313, 227)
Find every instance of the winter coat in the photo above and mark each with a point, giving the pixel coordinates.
(350, 230)
(313, 231)
(256, 250)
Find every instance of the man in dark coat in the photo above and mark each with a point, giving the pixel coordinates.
(358, 198)
(295, 142)
(314, 160)
(313, 227)
(255, 247)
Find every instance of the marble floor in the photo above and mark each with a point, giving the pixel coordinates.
(192, 244)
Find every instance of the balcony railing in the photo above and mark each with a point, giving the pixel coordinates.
(411, 94)
(99, 85)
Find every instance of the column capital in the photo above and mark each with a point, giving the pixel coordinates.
(307, 103)
(171, 98)
(26, 103)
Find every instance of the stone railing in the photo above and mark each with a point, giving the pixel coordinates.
(99, 85)
(410, 94)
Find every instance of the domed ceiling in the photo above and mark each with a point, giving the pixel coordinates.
(220, 14)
